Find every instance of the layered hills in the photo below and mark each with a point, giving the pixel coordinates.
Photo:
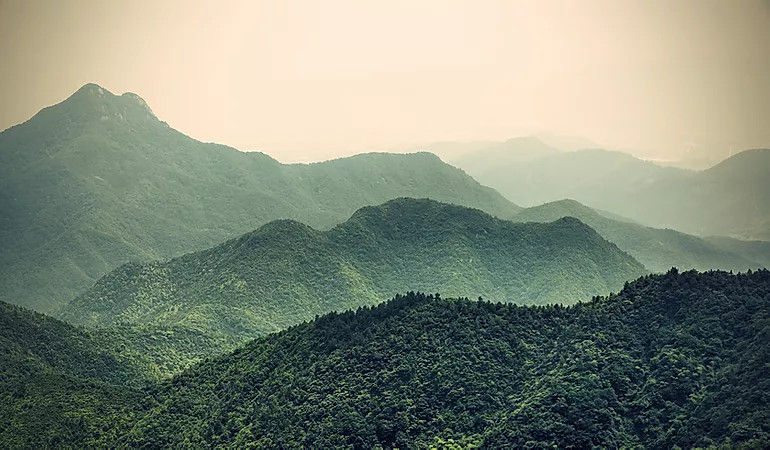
(599, 178)
(673, 360)
(677, 359)
(98, 180)
(727, 199)
(657, 249)
(502, 154)
(286, 272)
(55, 377)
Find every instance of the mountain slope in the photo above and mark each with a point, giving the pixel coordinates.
(599, 178)
(98, 180)
(526, 148)
(728, 199)
(657, 249)
(756, 250)
(58, 381)
(287, 272)
(673, 360)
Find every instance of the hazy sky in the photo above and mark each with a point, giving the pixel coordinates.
(309, 80)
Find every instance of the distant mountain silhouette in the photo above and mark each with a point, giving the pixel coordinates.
(657, 249)
(728, 199)
(502, 154)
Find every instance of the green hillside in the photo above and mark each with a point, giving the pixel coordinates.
(57, 380)
(286, 272)
(657, 249)
(673, 360)
(97, 180)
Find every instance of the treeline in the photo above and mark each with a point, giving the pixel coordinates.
(678, 359)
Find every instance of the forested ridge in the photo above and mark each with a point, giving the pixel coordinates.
(657, 249)
(287, 272)
(98, 180)
(678, 359)
(57, 379)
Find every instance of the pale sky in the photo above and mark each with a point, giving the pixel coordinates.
(311, 80)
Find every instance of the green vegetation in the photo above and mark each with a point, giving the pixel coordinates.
(678, 359)
(97, 180)
(224, 347)
(286, 272)
(658, 249)
(674, 359)
(58, 381)
(728, 199)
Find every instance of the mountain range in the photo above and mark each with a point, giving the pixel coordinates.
(727, 199)
(672, 360)
(98, 180)
(657, 249)
(204, 297)
(286, 272)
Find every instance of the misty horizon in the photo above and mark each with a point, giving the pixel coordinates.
(306, 81)
(452, 151)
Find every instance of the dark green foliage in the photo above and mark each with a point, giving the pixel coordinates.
(32, 343)
(658, 249)
(97, 180)
(678, 359)
(286, 272)
(674, 359)
(56, 381)
(62, 384)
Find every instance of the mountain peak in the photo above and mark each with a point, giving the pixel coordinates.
(568, 206)
(93, 102)
(747, 157)
(526, 140)
(93, 90)
(138, 100)
(742, 168)
(406, 209)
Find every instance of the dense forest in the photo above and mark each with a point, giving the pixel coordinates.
(287, 272)
(97, 180)
(678, 359)
(55, 377)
